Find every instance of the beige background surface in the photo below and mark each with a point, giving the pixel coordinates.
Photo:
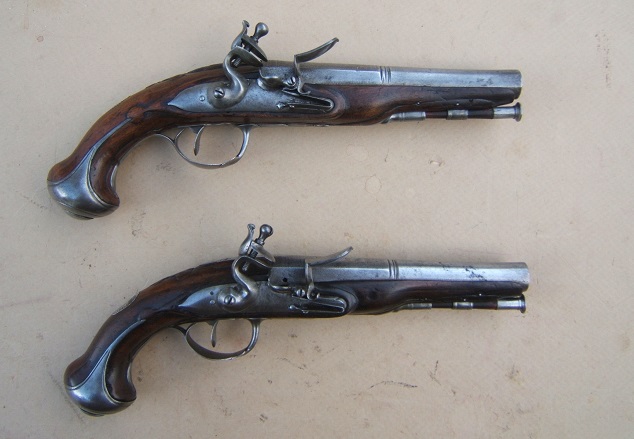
(554, 191)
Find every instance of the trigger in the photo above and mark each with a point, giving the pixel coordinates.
(198, 130)
(214, 328)
(245, 129)
(213, 355)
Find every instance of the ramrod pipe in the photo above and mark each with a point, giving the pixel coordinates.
(511, 112)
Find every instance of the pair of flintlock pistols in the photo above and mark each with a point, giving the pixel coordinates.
(247, 91)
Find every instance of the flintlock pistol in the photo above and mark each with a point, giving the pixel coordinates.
(257, 285)
(247, 90)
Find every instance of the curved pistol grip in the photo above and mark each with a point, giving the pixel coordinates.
(84, 183)
(99, 381)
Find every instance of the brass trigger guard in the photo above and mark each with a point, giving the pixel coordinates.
(214, 355)
(246, 131)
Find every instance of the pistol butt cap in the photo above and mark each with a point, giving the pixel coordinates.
(92, 394)
(76, 195)
(79, 202)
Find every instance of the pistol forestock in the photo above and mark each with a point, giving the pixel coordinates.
(100, 381)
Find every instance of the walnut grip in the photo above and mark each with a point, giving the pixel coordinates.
(84, 183)
(99, 381)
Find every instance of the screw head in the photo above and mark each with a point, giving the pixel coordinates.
(261, 30)
(265, 232)
(219, 93)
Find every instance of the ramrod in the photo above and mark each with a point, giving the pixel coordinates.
(247, 90)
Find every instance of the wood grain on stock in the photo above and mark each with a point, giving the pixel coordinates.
(158, 305)
(147, 111)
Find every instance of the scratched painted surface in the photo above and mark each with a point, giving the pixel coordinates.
(554, 191)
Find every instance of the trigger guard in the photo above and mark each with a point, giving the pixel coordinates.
(246, 131)
(214, 355)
